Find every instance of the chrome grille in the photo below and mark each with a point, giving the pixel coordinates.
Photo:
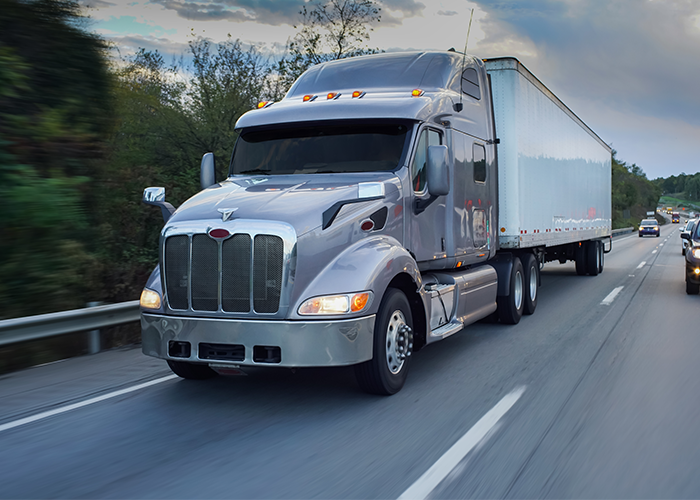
(205, 273)
(267, 273)
(236, 274)
(177, 256)
(233, 275)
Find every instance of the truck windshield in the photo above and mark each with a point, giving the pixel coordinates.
(320, 149)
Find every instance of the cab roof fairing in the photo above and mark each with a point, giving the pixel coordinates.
(387, 80)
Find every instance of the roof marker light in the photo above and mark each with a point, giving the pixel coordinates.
(358, 94)
(309, 97)
(332, 95)
(417, 93)
(264, 104)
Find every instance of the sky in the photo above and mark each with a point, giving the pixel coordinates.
(630, 69)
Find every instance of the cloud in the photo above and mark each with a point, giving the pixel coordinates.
(95, 4)
(447, 13)
(635, 56)
(268, 12)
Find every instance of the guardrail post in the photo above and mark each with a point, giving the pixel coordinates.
(93, 335)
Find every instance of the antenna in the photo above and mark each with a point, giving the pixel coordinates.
(460, 106)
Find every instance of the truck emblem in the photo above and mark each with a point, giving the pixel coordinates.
(226, 213)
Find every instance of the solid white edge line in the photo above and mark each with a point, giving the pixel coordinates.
(444, 465)
(611, 296)
(642, 264)
(75, 406)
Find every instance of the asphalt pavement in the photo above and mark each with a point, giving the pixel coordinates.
(605, 377)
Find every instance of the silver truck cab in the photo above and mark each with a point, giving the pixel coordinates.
(354, 227)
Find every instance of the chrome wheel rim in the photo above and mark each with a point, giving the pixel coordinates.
(518, 292)
(396, 342)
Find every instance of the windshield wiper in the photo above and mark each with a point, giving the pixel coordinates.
(255, 171)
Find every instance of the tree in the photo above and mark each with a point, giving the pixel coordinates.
(329, 30)
(54, 117)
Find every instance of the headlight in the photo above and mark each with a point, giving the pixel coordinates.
(149, 299)
(696, 253)
(336, 304)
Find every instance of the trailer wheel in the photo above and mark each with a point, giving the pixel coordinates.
(531, 274)
(601, 256)
(191, 371)
(386, 372)
(592, 257)
(510, 307)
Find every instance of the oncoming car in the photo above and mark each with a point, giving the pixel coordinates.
(649, 226)
(692, 260)
(687, 229)
(676, 218)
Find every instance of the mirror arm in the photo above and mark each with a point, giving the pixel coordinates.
(420, 204)
(166, 209)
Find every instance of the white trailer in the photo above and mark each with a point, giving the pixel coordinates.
(553, 170)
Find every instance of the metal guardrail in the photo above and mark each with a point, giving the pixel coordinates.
(90, 318)
(78, 320)
(624, 230)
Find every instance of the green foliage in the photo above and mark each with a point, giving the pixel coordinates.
(684, 186)
(329, 30)
(632, 192)
(53, 83)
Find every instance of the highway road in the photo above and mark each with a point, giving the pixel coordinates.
(596, 395)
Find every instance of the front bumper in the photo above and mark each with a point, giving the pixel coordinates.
(652, 232)
(300, 343)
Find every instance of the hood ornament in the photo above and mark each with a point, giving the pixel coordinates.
(226, 213)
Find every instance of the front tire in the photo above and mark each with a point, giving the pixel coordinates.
(191, 371)
(691, 288)
(510, 307)
(385, 374)
(531, 273)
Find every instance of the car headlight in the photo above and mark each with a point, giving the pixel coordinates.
(149, 299)
(336, 304)
(696, 253)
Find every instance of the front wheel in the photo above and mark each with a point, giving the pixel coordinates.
(510, 307)
(191, 371)
(386, 372)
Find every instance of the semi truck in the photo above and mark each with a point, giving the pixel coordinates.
(385, 203)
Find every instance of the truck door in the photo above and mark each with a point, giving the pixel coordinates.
(427, 228)
(479, 203)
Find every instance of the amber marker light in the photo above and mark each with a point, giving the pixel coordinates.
(332, 95)
(359, 301)
(417, 93)
(262, 104)
(357, 94)
(149, 299)
(308, 98)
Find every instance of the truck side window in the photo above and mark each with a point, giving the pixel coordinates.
(427, 138)
(470, 83)
(479, 163)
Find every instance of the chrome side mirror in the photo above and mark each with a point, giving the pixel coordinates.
(438, 172)
(156, 196)
(207, 171)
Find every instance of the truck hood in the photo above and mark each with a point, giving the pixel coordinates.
(299, 200)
